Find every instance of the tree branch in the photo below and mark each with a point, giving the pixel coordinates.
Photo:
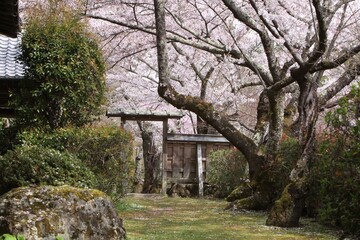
(346, 78)
(287, 45)
(325, 65)
(321, 33)
(263, 19)
(266, 41)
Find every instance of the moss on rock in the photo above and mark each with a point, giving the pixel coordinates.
(243, 191)
(84, 194)
(45, 212)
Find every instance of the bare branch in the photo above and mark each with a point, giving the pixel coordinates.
(287, 45)
(203, 78)
(346, 78)
(261, 73)
(286, 67)
(249, 84)
(337, 33)
(267, 43)
(293, 15)
(281, 84)
(242, 16)
(130, 55)
(149, 29)
(209, 47)
(336, 62)
(264, 20)
(321, 33)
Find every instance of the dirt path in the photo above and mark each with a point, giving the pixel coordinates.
(157, 217)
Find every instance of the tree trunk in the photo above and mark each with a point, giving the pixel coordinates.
(138, 182)
(151, 162)
(54, 113)
(287, 210)
(276, 119)
(261, 193)
(201, 126)
(262, 123)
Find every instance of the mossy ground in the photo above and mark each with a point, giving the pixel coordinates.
(157, 217)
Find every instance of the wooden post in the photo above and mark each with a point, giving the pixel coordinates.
(123, 121)
(200, 171)
(164, 156)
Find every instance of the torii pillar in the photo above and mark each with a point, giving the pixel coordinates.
(163, 116)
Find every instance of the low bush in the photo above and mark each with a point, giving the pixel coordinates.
(7, 139)
(227, 171)
(8, 236)
(335, 184)
(106, 150)
(38, 165)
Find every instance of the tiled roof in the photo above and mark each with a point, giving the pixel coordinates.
(10, 67)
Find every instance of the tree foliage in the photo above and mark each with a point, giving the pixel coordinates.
(64, 76)
(106, 150)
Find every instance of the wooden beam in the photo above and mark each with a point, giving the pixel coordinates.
(196, 138)
(142, 118)
(144, 115)
(200, 171)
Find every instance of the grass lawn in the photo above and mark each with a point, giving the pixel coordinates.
(158, 217)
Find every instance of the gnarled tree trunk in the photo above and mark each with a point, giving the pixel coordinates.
(151, 161)
(287, 210)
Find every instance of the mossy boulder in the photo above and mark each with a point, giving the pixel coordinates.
(243, 191)
(47, 212)
(254, 202)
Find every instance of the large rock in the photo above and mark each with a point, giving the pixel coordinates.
(48, 212)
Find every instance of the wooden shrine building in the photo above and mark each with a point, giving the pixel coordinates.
(184, 156)
(11, 71)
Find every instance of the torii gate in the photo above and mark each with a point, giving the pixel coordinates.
(162, 116)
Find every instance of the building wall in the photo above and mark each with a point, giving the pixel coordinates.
(181, 163)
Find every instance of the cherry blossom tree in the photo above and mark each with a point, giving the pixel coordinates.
(132, 68)
(295, 56)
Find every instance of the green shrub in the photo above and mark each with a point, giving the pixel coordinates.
(38, 165)
(335, 176)
(227, 171)
(8, 139)
(335, 184)
(7, 236)
(65, 76)
(106, 150)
